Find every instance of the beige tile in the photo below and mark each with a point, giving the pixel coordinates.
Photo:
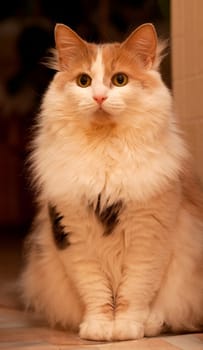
(190, 55)
(193, 132)
(199, 35)
(190, 40)
(193, 98)
(177, 17)
(28, 346)
(193, 35)
(189, 16)
(178, 66)
(143, 344)
(199, 63)
(186, 342)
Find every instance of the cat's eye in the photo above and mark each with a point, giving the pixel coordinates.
(119, 79)
(83, 80)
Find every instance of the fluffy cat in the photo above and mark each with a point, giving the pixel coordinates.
(116, 250)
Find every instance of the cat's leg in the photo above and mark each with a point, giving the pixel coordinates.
(145, 263)
(95, 293)
(80, 258)
(82, 262)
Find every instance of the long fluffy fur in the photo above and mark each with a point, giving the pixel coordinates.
(146, 275)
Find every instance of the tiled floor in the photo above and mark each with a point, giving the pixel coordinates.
(21, 330)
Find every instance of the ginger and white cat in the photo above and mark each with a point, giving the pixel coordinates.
(116, 250)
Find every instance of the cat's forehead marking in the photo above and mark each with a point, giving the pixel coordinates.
(98, 65)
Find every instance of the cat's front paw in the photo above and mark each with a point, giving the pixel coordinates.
(127, 330)
(97, 330)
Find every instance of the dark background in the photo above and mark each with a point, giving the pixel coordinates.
(26, 34)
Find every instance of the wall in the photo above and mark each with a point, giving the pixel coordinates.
(187, 71)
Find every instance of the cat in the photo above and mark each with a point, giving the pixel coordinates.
(116, 249)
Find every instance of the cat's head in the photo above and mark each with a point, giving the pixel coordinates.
(109, 83)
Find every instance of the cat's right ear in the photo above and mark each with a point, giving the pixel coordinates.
(68, 45)
(143, 41)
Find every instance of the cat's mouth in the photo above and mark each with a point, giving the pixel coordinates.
(101, 110)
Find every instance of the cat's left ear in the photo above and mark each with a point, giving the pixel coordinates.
(143, 41)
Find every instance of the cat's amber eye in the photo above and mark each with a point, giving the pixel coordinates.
(83, 80)
(119, 79)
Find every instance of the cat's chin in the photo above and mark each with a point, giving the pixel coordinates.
(101, 117)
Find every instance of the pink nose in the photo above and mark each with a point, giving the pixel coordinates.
(99, 99)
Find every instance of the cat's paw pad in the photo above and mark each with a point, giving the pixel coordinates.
(96, 330)
(127, 330)
(154, 325)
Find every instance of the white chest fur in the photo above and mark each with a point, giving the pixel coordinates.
(116, 169)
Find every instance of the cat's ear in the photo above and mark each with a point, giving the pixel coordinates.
(68, 45)
(143, 41)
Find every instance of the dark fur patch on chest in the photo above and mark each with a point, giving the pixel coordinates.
(109, 216)
(59, 233)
